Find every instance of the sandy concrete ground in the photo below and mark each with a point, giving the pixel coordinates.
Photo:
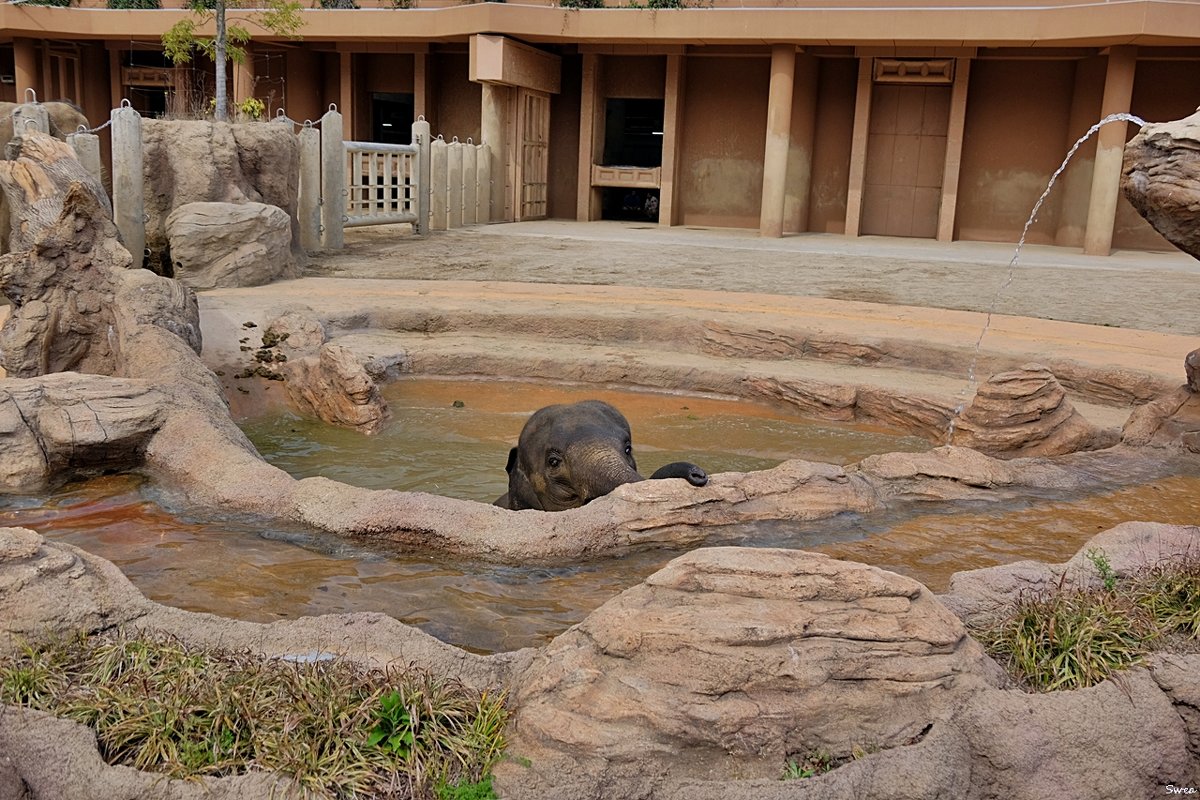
(1148, 291)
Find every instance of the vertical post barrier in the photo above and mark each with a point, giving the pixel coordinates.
(333, 181)
(30, 116)
(87, 150)
(437, 184)
(421, 138)
(309, 211)
(483, 179)
(470, 183)
(454, 179)
(128, 180)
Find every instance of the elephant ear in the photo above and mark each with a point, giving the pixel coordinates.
(520, 491)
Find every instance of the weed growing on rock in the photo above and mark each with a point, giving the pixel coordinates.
(157, 704)
(1071, 638)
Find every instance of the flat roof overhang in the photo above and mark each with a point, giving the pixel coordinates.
(811, 23)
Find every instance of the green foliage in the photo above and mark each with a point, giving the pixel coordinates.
(278, 17)
(817, 762)
(1103, 566)
(399, 4)
(1070, 638)
(466, 790)
(581, 3)
(134, 4)
(157, 704)
(1171, 595)
(344, 4)
(55, 3)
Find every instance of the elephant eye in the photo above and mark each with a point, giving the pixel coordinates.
(628, 449)
(554, 460)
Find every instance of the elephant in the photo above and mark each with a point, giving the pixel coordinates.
(568, 455)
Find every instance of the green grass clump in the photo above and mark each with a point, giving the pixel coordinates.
(1070, 638)
(159, 705)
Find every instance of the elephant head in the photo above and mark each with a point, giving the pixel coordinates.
(568, 455)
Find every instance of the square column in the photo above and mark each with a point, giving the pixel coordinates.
(25, 70)
(346, 93)
(858, 147)
(591, 121)
(672, 125)
(779, 140)
(954, 146)
(1110, 148)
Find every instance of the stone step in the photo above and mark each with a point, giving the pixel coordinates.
(915, 402)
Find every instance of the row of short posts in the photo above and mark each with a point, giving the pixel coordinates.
(460, 184)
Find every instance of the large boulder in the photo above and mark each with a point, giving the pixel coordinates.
(198, 161)
(728, 656)
(227, 245)
(1025, 412)
(1160, 177)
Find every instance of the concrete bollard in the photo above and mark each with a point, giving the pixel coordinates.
(438, 180)
(470, 183)
(333, 181)
(309, 210)
(87, 150)
(454, 181)
(128, 181)
(421, 138)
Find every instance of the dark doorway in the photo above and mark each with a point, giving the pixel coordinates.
(149, 101)
(631, 204)
(391, 117)
(633, 132)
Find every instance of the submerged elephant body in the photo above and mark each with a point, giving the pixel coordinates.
(568, 455)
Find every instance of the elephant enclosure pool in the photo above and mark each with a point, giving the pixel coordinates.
(236, 567)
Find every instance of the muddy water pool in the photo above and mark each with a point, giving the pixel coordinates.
(237, 568)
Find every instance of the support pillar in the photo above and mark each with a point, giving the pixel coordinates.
(25, 67)
(954, 145)
(858, 147)
(672, 125)
(309, 211)
(591, 119)
(116, 83)
(1110, 147)
(243, 80)
(420, 86)
(779, 140)
(333, 182)
(346, 93)
(494, 128)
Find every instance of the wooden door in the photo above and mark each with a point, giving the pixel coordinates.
(906, 155)
(533, 153)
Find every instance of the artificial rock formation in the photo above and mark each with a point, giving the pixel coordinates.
(296, 332)
(198, 161)
(1161, 177)
(226, 245)
(334, 386)
(1026, 412)
(730, 655)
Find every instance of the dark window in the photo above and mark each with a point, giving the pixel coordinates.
(391, 118)
(633, 132)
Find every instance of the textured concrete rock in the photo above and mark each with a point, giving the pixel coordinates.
(68, 423)
(56, 588)
(1160, 176)
(728, 655)
(1179, 677)
(296, 331)
(1169, 421)
(227, 245)
(1191, 369)
(197, 161)
(1026, 412)
(334, 386)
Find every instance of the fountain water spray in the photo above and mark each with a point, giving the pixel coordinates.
(1012, 264)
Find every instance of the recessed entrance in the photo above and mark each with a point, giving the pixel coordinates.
(391, 117)
(633, 138)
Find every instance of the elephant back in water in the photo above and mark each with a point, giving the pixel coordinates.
(568, 455)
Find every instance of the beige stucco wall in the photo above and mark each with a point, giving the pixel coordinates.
(1018, 112)
(379, 72)
(723, 139)
(456, 102)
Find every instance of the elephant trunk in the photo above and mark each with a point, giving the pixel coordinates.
(602, 472)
